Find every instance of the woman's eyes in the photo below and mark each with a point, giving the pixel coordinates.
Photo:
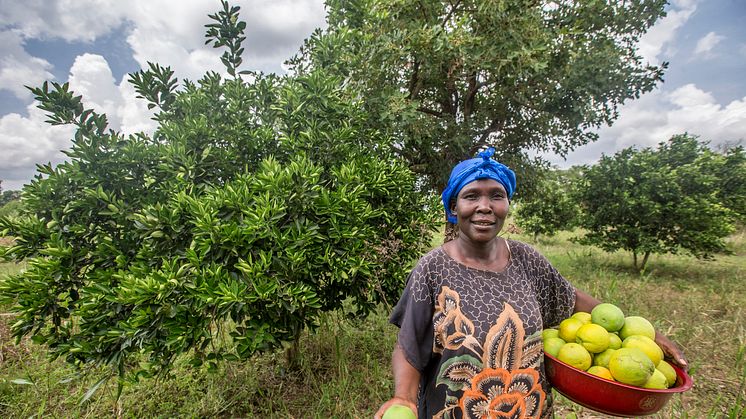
(496, 195)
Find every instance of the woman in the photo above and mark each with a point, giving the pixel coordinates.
(473, 310)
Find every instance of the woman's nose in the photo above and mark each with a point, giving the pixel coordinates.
(483, 204)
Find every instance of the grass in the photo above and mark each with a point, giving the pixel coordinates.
(344, 368)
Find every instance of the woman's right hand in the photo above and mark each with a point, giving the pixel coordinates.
(393, 401)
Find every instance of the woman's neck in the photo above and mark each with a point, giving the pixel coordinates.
(492, 255)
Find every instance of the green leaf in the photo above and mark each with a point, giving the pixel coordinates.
(22, 381)
(93, 389)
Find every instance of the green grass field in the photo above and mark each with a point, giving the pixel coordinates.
(344, 367)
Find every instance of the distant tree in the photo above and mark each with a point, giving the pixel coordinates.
(656, 201)
(448, 78)
(553, 209)
(11, 208)
(732, 186)
(256, 206)
(8, 196)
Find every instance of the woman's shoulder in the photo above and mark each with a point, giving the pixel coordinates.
(518, 246)
(523, 250)
(435, 257)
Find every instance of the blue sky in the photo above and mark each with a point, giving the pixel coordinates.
(720, 71)
(93, 44)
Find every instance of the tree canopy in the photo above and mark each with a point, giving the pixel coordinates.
(732, 175)
(657, 201)
(447, 78)
(259, 203)
(554, 208)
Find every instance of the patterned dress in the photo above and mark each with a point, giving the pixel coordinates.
(475, 335)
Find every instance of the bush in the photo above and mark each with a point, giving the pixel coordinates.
(255, 207)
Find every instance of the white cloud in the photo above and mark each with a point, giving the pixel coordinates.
(697, 112)
(27, 141)
(706, 44)
(161, 31)
(656, 116)
(133, 113)
(90, 76)
(79, 20)
(275, 30)
(18, 68)
(663, 33)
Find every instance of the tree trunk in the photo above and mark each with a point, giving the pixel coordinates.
(644, 261)
(634, 259)
(292, 352)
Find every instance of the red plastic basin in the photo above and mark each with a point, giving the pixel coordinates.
(610, 397)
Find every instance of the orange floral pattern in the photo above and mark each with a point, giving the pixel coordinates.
(452, 328)
(499, 379)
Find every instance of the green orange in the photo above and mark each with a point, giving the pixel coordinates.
(636, 325)
(668, 371)
(553, 345)
(549, 333)
(602, 359)
(568, 328)
(609, 316)
(398, 411)
(631, 366)
(645, 344)
(582, 316)
(593, 337)
(575, 355)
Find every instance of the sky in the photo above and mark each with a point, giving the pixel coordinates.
(95, 44)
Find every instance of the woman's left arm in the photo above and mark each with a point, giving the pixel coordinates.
(584, 302)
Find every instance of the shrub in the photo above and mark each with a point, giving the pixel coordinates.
(259, 203)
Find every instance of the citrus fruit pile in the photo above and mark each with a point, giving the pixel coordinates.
(607, 344)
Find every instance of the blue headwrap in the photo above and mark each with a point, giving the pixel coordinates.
(482, 167)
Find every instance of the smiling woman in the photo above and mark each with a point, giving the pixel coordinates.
(471, 316)
(481, 208)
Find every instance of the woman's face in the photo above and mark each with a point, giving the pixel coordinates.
(481, 209)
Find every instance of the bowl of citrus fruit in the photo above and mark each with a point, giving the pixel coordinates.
(610, 363)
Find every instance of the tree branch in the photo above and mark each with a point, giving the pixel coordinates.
(450, 97)
(470, 94)
(474, 88)
(422, 9)
(430, 111)
(450, 13)
(494, 125)
(415, 84)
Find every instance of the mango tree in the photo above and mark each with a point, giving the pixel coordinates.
(448, 78)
